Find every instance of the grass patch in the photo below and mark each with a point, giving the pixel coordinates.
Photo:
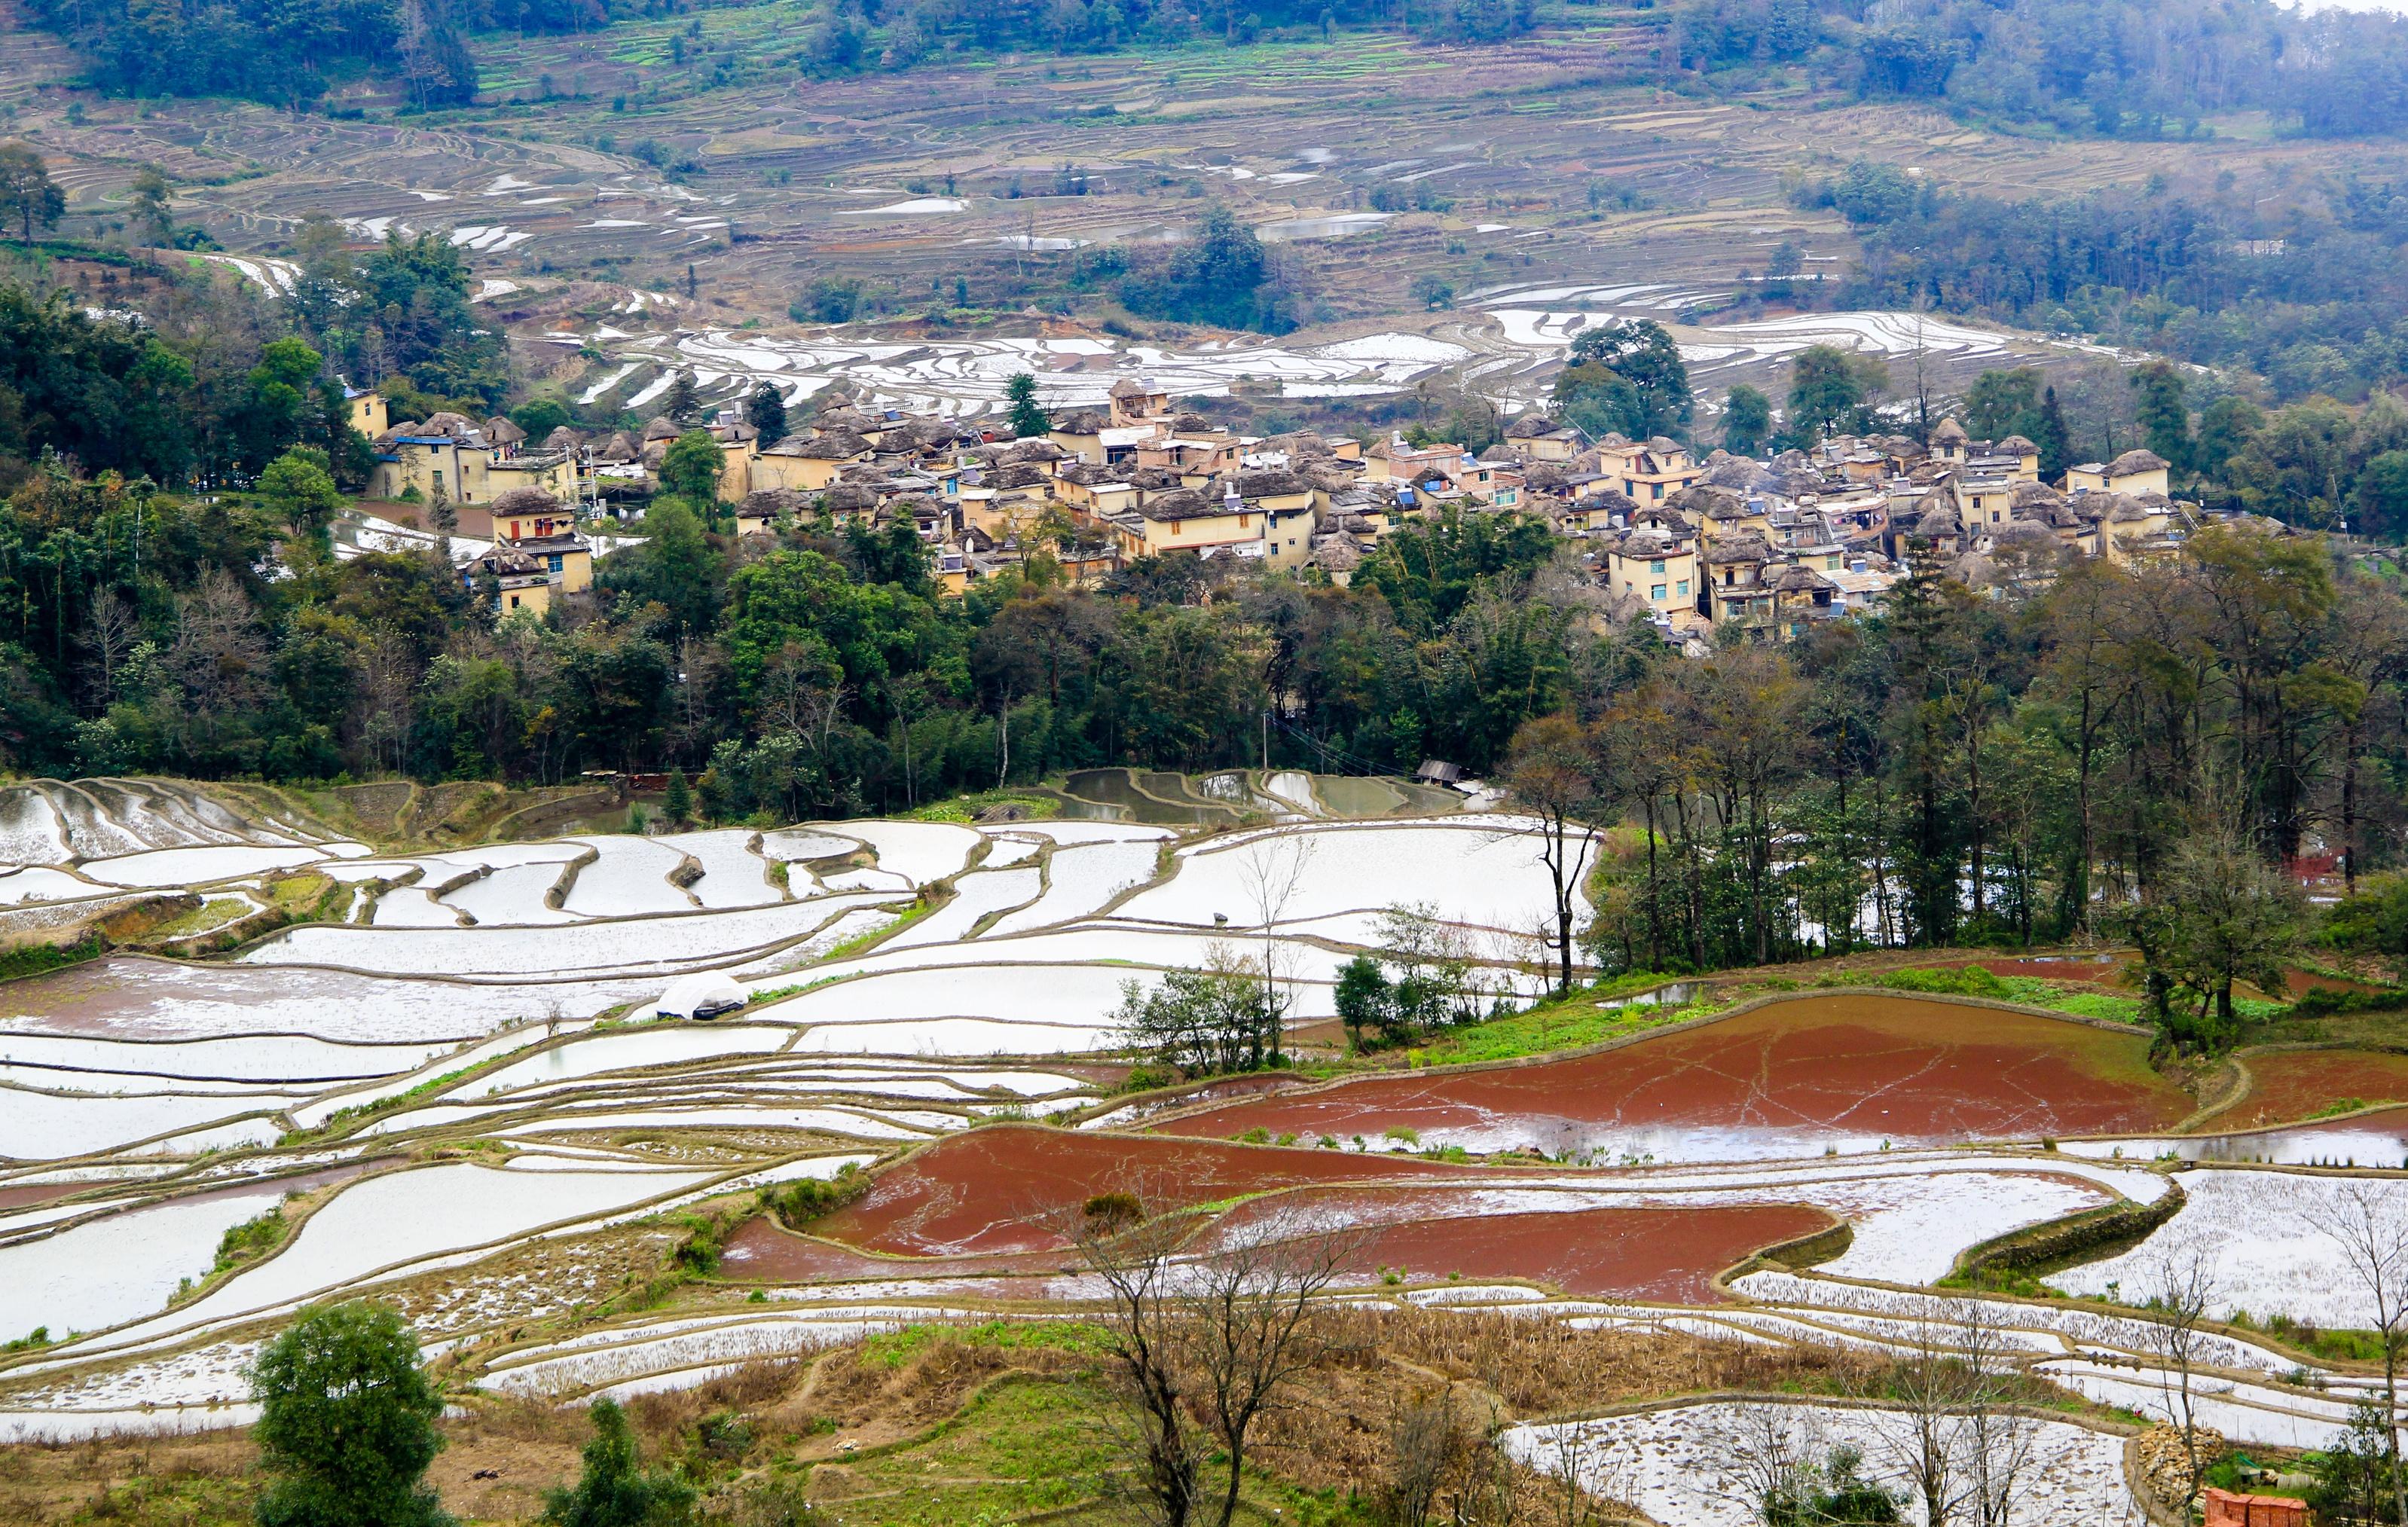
(1959, 981)
(966, 808)
(37, 959)
(342, 1119)
(1561, 1024)
(1018, 1449)
(2333, 1345)
(299, 894)
(894, 1350)
(214, 913)
(1025, 1448)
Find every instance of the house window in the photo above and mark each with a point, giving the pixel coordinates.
(556, 562)
(1655, 592)
(1657, 567)
(514, 601)
(1683, 587)
(1658, 491)
(439, 479)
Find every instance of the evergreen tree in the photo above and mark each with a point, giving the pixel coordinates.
(677, 804)
(2165, 420)
(347, 1422)
(1747, 419)
(2055, 440)
(767, 412)
(1029, 421)
(1626, 377)
(149, 204)
(615, 1489)
(1825, 388)
(682, 403)
(28, 196)
(691, 466)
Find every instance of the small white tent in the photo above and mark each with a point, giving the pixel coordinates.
(700, 996)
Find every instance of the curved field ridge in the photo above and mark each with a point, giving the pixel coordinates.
(2289, 1085)
(1684, 1464)
(999, 1188)
(1789, 1079)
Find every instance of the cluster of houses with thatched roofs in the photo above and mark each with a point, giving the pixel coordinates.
(1689, 545)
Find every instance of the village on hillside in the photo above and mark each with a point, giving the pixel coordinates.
(1689, 545)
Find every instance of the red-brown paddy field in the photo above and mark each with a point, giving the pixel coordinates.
(1792, 1077)
(990, 1206)
(2295, 1084)
(1003, 1189)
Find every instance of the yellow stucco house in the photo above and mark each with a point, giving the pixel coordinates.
(2134, 472)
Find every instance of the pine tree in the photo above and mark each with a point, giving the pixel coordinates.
(767, 410)
(679, 803)
(1028, 420)
(682, 400)
(2055, 440)
(2164, 417)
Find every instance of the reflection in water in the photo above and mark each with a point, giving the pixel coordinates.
(2377, 1140)
(1217, 800)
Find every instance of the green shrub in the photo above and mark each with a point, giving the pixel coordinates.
(1964, 981)
(800, 1202)
(2326, 1002)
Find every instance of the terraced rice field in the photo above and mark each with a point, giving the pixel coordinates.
(487, 1122)
(1792, 1077)
(2286, 1086)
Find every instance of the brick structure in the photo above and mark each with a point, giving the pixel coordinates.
(2226, 1509)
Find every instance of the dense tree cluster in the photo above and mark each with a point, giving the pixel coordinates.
(1957, 769)
(287, 54)
(2311, 296)
(1627, 379)
(211, 383)
(1222, 275)
(2146, 68)
(2105, 756)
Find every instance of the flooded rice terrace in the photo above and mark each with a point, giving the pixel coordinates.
(461, 1080)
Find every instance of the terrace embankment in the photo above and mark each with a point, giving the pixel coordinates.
(993, 1203)
(1003, 1189)
(1424, 1234)
(1787, 1079)
(2289, 1085)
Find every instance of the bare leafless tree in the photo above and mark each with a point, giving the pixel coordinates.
(1446, 1465)
(109, 634)
(1205, 1342)
(1271, 869)
(386, 699)
(1773, 1451)
(2369, 1223)
(1587, 1472)
(2181, 1287)
(1423, 1434)
(2001, 1445)
(1921, 1429)
(1552, 774)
